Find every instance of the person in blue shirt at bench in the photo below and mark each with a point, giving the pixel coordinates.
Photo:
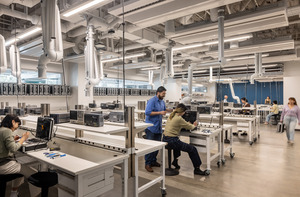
(154, 112)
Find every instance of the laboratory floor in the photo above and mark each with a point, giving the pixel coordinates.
(268, 168)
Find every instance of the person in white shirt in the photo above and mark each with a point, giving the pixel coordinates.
(225, 99)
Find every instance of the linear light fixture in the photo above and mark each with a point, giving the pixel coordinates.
(230, 39)
(237, 68)
(120, 58)
(245, 57)
(23, 35)
(82, 8)
(151, 68)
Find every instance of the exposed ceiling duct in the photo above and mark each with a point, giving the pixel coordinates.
(3, 58)
(167, 10)
(27, 3)
(250, 22)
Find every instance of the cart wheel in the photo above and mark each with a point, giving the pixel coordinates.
(255, 139)
(163, 192)
(223, 161)
(251, 143)
(207, 172)
(218, 163)
(232, 155)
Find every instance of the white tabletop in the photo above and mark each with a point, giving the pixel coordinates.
(106, 129)
(65, 163)
(137, 125)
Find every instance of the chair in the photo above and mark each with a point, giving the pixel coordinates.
(274, 120)
(43, 180)
(170, 171)
(4, 178)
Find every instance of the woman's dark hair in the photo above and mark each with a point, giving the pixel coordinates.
(275, 102)
(293, 99)
(7, 121)
(244, 99)
(182, 106)
(268, 96)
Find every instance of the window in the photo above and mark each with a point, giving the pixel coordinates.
(118, 83)
(185, 88)
(31, 76)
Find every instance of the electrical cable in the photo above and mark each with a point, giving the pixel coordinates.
(64, 82)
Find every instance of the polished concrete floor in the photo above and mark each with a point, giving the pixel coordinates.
(270, 167)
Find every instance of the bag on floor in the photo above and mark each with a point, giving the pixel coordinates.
(280, 127)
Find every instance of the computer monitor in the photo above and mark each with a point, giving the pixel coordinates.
(237, 105)
(216, 105)
(190, 116)
(44, 128)
(204, 110)
(226, 104)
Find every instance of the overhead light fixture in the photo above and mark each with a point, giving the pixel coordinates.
(245, 57)
(120, 58)
(237, 68)
(82, 8)
(151, 68)
(185, 72)
(230, 39)
(269, 65)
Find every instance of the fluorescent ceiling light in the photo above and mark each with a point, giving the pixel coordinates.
(82, 8)
(151, 68)
(9, 42)
(126, 57)
(237, 68)
(245, 57)
(234, 38)
(269, 65)
(185, 72)
(24, 35)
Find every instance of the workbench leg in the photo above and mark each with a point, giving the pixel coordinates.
(208, 152)
(220, 146)
(162, 172)
(231, 139)
(124, 175)
(250, 132)
(136, 178)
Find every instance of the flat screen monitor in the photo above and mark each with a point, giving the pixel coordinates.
(190, 116)
(204, 110)
(226, 104)
(237, 105)
(44, 128)
(216, 105)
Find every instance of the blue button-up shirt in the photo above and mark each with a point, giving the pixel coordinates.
(155, 105)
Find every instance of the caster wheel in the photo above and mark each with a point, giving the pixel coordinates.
(232, 155)
(227, 141)
(255, 139)
(163, 192)
(219, 164)
(250, 143)
(223, 161)
(207, 172)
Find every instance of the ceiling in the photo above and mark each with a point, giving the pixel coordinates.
(272, 27)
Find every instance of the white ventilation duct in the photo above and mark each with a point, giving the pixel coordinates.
(169, 60)
(20, 15)
(258, 67)
(14, 56)
(233, 94)
(27, 3)
(150, 75)
(52, 38)
(93, 68)
(3, 59)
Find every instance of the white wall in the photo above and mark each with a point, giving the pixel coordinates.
(291, 81)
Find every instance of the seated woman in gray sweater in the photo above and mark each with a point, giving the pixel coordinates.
(171, 135)
(8, 146)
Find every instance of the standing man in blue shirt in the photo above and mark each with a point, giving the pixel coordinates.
(155, 109)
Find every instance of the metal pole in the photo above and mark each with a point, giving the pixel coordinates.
(130, 138)
(221, 34)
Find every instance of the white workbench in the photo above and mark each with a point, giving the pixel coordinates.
(253, 124)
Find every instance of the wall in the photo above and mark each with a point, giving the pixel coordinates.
(291, 80)
(258, 91)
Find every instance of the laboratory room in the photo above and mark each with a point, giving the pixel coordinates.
(149, 98)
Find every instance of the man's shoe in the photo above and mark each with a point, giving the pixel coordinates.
(198, 171)
(148, 168)
(155, 164)
(175, 163)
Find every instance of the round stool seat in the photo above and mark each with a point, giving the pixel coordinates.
(9, 177)
(43, 179)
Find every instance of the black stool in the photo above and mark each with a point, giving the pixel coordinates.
(4, 178)
(43, 180)
(275, 118)
(170, 171)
